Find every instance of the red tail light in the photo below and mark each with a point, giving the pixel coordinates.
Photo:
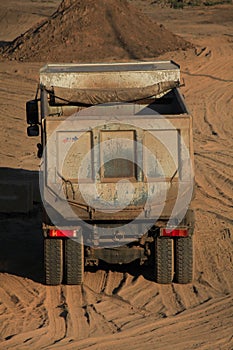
(63, 233)
(165, 232)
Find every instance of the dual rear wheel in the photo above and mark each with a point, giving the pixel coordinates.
(63, 261)
(173, 260)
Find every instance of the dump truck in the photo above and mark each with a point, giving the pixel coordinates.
(117, 174)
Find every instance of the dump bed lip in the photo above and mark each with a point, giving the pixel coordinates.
(139, 66)
(123, 75)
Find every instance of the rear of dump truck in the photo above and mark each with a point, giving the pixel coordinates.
(117, 169)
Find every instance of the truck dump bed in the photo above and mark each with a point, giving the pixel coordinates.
(150, 123)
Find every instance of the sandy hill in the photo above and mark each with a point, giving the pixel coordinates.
(94, 30)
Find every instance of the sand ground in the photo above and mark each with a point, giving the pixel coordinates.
(121, 308)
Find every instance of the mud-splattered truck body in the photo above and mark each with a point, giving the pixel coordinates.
(117, 169)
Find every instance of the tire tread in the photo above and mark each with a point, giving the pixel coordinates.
(184, 260)
(53, 261)
(163, 260)
(74, 262)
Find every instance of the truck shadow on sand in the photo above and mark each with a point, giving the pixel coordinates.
(21, 248)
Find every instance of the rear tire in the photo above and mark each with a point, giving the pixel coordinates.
(74, 262)
(53, 261)
(184, 260)
(163, 260)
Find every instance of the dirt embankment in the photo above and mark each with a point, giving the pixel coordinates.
(93, 30)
